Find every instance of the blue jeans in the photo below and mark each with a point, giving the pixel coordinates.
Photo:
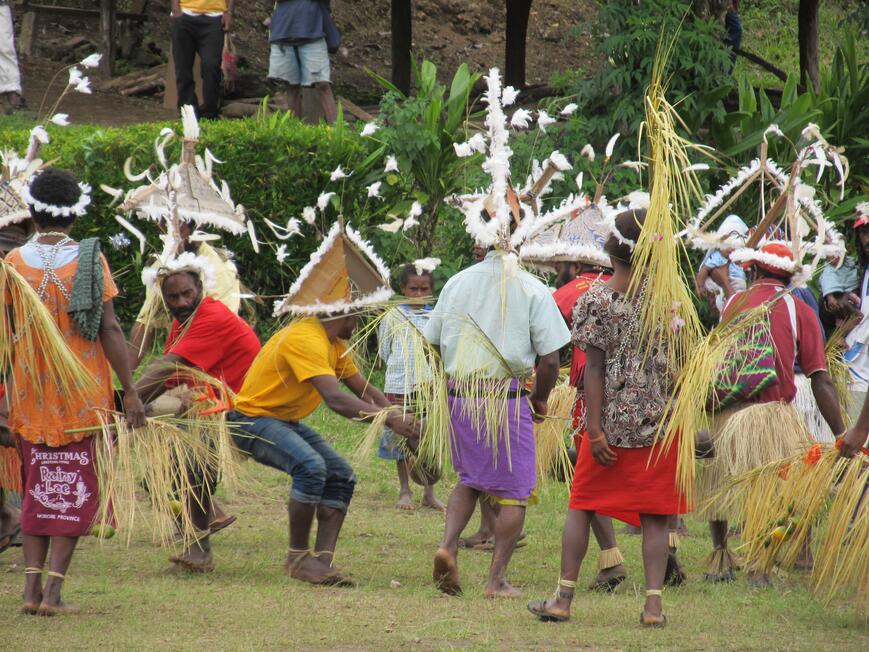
(320, 475)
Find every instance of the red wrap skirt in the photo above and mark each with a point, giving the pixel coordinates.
(633, 485)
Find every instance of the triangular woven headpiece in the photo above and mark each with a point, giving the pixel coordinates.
(344, 275)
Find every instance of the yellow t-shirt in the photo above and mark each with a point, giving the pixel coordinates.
(204, 6)
(277, 383)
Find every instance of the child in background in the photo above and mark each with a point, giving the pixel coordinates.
(626, 395)
(395, 350)
(718, 276)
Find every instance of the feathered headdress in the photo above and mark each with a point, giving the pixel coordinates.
(502, 216)
(788, 214)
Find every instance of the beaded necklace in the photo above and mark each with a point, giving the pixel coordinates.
(48, 258)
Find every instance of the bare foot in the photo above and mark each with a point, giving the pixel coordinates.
(502, 589)
(555, 610)
(194, 559)
(405, 503)
(32, 593)
(759, 580)
(609, 578)
(307, 568)
(446, 572)
(433, 503)
(475, 539)
(52, 604)
(653, 612)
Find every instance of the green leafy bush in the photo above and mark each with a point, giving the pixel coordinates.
(626, 35)
(274, 166)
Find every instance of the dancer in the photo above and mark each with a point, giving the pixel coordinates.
(492, 323)
(751, 434)
(225, 288)
(580, 261)
(300, 367)
(529, 327)
(54, 426)
(395, 342)
(208, 336)
(625, 400)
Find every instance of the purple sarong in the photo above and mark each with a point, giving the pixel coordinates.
(507, 476)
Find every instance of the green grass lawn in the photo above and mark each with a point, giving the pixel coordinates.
(131, 602)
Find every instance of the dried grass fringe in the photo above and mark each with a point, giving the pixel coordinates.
(550, 436)
(485, 392)
(807, 406)
(745, 439)
(692, 402)
(158, 456)
(814, 496)
(30, 336)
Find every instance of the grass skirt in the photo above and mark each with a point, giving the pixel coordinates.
(745, 438)
(808, 407)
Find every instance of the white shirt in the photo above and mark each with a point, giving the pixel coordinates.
(495, 320)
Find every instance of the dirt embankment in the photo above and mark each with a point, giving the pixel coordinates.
(448, 32)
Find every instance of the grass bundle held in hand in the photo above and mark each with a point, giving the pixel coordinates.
(168, 457)
(30, 336)
(550, 436)
(692, 403)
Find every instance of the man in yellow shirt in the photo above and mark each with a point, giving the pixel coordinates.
(297, 369)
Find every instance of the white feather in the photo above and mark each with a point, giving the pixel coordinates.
(132, 229)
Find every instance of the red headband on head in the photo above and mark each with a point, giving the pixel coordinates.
(780, 250)
(862, 220)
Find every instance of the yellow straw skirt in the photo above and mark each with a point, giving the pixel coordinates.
(745, 437)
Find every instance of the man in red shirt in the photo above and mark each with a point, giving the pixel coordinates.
(207, 335)
(797, 337)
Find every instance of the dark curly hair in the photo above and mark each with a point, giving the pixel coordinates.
(629, 224)
(56, 187)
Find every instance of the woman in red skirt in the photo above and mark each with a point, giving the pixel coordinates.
(617, 472)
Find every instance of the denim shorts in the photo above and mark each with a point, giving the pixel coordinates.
(320, 475)
(300, 65)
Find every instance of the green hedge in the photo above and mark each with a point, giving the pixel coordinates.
(274, 166)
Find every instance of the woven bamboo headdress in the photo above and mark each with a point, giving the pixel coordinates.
(187, 188)
(344, 275)
(788, 214)
(15, 174)
(185, 192)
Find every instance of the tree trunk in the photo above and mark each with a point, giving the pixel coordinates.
(402, 38)
(108, 26)
(808, 38)
(517, 30)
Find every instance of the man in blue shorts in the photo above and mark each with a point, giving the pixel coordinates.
(302, 35)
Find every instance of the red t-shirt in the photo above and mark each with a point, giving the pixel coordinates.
(218, 342)
(566, 297)
(809, 338)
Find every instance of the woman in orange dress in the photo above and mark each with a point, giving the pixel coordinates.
(60, 492)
